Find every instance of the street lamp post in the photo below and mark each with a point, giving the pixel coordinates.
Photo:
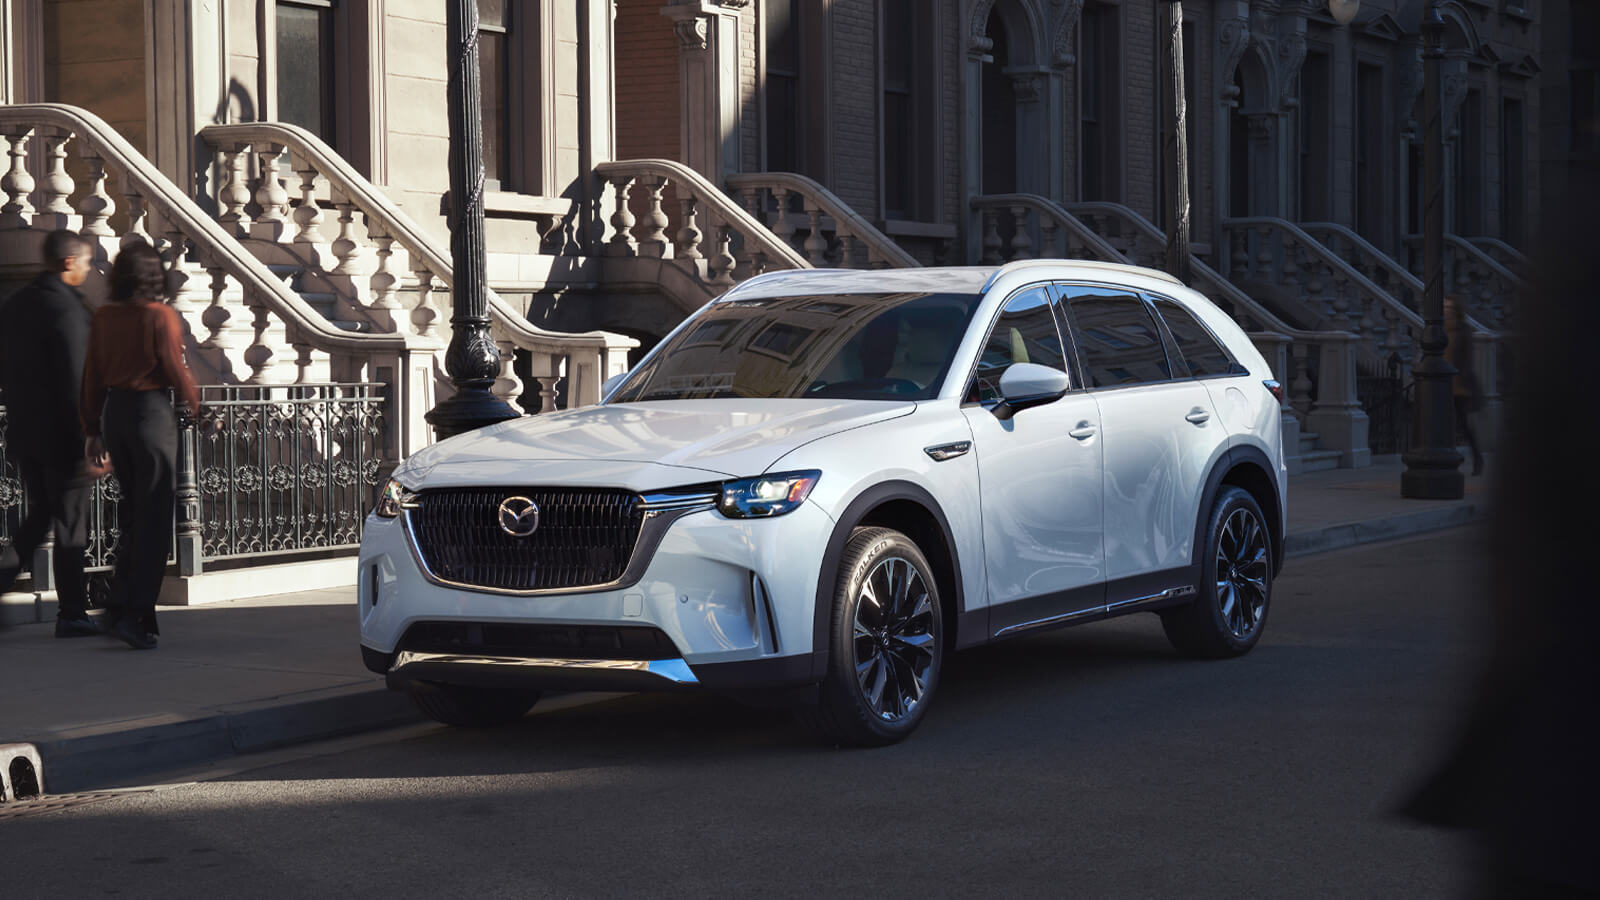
(1175, 151)
(472, 360)
(1432, 462)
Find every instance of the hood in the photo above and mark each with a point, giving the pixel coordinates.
(642, 445)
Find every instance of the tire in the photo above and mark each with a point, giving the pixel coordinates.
(471, 707)
(883, 663)
(1228, 615)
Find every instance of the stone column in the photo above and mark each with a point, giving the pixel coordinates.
(188, 47)
(708, 77)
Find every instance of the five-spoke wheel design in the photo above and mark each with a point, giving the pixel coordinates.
(885, 641)
(1242, 572)
(893, 638)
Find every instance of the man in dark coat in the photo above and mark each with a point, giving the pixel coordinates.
(44, 334)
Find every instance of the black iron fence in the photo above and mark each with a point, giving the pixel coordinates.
(266, 470)
(1387, 399)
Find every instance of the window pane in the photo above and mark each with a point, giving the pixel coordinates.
(303, 79)
(492, 13)
(1199, 349)
(1025, 332)
(492, 81)
(1119, 341)
(859, 346)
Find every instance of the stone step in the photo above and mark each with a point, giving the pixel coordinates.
(1318, 460)
(1308, 441)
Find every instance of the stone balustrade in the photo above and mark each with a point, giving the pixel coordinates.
(1025, 226)
(1490, 288)
(376, 267)
(704, 235)
(810, 219)
(1502, 253)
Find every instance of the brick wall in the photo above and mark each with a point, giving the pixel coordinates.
(647, 72)
(853, 85)
(954, 58)
(749, 92)
(1139, 135)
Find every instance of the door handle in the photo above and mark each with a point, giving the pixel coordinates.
(1198, 416)
(1084, 431)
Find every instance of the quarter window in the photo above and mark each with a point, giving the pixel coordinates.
(1117, 338)
(1198, 349)
(1025, 332)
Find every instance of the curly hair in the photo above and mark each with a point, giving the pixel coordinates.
(138, 274)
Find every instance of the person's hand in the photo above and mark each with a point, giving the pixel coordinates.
(94, 453)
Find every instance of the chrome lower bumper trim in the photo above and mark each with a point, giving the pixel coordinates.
(672, 671)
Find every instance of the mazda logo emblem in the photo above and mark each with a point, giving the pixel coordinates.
(519, 516)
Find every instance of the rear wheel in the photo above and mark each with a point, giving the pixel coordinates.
(1228, 615)
(471, 707)
(886, 642)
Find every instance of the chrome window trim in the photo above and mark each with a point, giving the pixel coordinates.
(660, 511)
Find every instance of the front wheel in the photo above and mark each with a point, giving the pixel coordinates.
(886, 642)
(471, 707)
(1227, 617)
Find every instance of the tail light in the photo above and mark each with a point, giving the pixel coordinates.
(1275, 388)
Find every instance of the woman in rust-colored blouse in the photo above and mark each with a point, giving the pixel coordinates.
(135, 355)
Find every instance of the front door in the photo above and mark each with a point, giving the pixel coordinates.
(1039, 475)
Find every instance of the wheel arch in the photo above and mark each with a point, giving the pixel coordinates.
(911, 510)
(1246, 468)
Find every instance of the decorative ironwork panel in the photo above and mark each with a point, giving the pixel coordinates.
(287, 468)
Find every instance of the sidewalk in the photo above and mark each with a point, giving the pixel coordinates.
(235, 677)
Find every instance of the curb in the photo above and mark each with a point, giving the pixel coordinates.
(1351, 534)
(82, 762)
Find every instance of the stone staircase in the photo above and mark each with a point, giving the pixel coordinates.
(1313, 459)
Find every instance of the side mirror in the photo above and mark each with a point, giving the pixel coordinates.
(1024, 385)
(610, 384)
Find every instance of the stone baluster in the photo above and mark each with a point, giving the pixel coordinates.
(816, 245)
(218, 316)
(260, 356)
(1049, 227)
(1293, 257)
(1300, 386)
(96, 206)
(308, 215)
(991, 239)
(138, 217)
(547, 392)
(56, 191)
(384, 283)
(423, 314)
(507, 385)
(689, 234)
(1338, 296)
(345, 249)
(783, 226)
(622, 221)
(17, 212)
(750, 257)
(653, 240)
(722, 264)
(270, 196)
(1238, 252)
(183, 287)
(849, 248)
(1021, 244)
(235, 193)
(1264, 250)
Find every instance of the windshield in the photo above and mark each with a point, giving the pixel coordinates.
(856, 346)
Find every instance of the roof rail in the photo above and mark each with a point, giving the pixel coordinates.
(1079, 263)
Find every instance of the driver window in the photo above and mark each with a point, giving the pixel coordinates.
(1025, 332)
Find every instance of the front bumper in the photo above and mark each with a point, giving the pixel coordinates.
(730, 600)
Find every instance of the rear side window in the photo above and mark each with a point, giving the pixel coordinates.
(1025, 332)
(1200, 351)
(1117, 339)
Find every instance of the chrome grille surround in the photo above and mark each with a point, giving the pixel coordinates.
(589, 539)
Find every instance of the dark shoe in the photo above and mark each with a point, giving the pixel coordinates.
(79, 627)
(129, 632)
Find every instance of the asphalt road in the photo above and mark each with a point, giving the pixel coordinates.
(1091, 762)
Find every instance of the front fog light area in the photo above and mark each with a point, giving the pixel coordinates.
(766, 495)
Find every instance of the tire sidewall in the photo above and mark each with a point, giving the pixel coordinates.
(865, 550)
(1232, 500)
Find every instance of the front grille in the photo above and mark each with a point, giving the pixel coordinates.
(539, 641)
(584, 538)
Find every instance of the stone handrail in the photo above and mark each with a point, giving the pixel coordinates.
(646, 235)
(1033, 213)
(1501, 252)
(1380, 267)
(1491, 289)
(850, 228)
(154, 203)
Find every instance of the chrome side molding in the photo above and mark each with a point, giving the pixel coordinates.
(674, 671)
(1120, 606)
(1168, 594)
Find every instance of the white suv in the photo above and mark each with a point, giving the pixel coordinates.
(826, 481)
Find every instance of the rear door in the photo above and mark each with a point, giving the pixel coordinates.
(1160, 432)
(1039, 479)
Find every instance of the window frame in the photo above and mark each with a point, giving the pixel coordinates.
(1175, 351)
(1068, 348)
(1168, 347)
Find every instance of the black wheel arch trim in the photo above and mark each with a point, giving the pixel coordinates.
(853, 514)
(1231, 459)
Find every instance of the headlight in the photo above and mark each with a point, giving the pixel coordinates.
(395, 497)
(766, 495)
